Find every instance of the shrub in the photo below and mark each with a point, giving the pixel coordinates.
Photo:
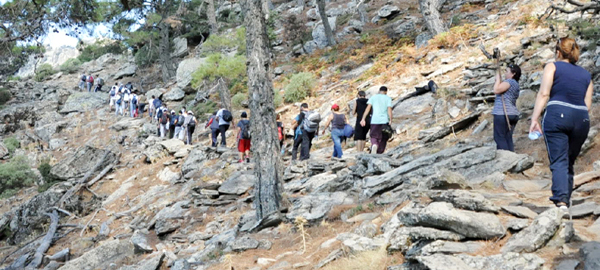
(44, 169)
(201, 110)
(299, 87)
(15, 175)
(228, 41)
(5, 96)
(43, 72)
(146, 56)
(277, 99)
(11, 144)
(238, 99)
(93, 51)
(70, 66)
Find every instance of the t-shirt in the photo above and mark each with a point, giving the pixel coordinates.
(243, 123)
(299, 119)
(221, 121)
(215, 123)
(510, 100)
(380, 104)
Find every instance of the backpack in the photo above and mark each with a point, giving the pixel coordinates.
(180, 120)
(100, 81)
(348, 131)
(192, 123)
(280, 133)
(164, 119)
(90, 79)
(83, 78)
(157, 103)
(311, 121)
(119, 100)
(113, 92)
(134, 100)
(246, 130)
(227, 117)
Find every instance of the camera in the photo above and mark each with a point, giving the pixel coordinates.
(496, 54)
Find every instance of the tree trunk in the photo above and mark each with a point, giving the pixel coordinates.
(212, 17)
(168, 70)
(224, 94)
(431, 14)
(265, 143)
(362, 11)
(328, 32)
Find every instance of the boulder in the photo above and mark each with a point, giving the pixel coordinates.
(85, 158)
(196, 159)
(176, 94)
(180, 47)
(153, 262)
(126, 71)
(244, 243)
(318, 33)
(402, 238)
(156, 92)
(185, 70)
(181, 264)
(567, 265)
(140, 242)
(401, 28)
(590, 252)
(55, 56)
(172, 145)
(517, 224)
(465, 200)
(444, 216)
(154, 153)
(527, 185)
(423, 39)
(102, 256)
(509, 261)
(520, 211)
(169, 219)
(315, 206)
(415, 105)
(583, 210)
(388, 11)
(238, 184)
(83, 102)
(166, 175)
(357, 243)
(535, 236)
(310, 184)
(449, 247)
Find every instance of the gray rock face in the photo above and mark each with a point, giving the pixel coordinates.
(176, 94)
(567, 265)
(510, 261)
(517, 224)
(180, 47)
(172, 145)
(388, 11)
(126, 71)
(402, 238)
(78, 164)
(590, 252)
(583, 210)
(169, 218)
(527, 185)
(84, 102)
(181, 264)
(537, 234)
(444, 216)
(154, 153)
(102, 256)
(401, 28)
(238, 184)
(244, 243)
(318, 32)
(358, 243)
(156, 92)
(316, 205)
(465, 200)
(140, 242)
(414, 105)
(185, 70)
(153, 262)
(448, 247)
(423, 39)
(53, 56)
(195, 160)
(520, 211)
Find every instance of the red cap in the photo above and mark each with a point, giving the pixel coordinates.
(335, 107)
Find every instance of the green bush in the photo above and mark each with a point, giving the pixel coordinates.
(43, 72)
(218, 43)
(70, 66)
(5, 96)
(93, 51)
(11, 144)
(146, 56)
(15, 175)
(299, 87)
(202, 110)
(238, 99)
(277, 99)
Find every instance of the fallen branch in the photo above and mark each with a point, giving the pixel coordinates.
(62, 211)
(62, 255)
(102, 173)
(127, 212)
(90, 221)
(46, 241)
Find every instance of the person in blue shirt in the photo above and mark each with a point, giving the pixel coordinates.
(297, 126)
(381, 105)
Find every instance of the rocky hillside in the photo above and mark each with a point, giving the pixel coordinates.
(110, 194)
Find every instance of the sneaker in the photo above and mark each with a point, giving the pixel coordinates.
(241, 161)
(564, 209)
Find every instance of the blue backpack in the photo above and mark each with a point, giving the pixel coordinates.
(348, 131)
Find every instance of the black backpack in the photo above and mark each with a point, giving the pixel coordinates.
(246, 130)
(227, 116)
(180, 120)
(192, 123)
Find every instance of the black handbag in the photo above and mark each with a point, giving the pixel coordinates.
(388, 131)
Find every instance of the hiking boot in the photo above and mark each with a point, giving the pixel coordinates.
(564, 209)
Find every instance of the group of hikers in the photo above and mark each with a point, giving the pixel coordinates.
(87, 82)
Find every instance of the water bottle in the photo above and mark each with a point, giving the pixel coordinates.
(534, 135)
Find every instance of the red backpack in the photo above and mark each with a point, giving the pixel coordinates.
(90, 79)
(280, 132)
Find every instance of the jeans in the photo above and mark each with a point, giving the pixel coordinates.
(223, 129)
(297, 143)
(182, 133)
(178, 130)
(214, 133)
(190, 131)
(131, 108)
(306, 144)
(565, 131)
(336, 136)
(89, 86)
(82, 85)
(171, 131)
(163, 130)
(118, 109)
(502, 135)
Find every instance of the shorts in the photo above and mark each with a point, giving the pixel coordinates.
(244, 145)
(360, 132)
(112, 101)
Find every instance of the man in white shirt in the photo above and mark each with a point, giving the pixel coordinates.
(225, 119)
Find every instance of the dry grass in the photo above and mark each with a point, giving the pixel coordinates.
(375, 260)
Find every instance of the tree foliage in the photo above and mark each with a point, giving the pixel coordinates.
(299, 87)
(15, 175)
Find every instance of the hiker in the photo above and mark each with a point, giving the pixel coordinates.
(566, 122)
(129, 86)
(280, 133)
(214, 128)
(225, 120)
(360, 132)
(338, 121)
(82, 82)
(244, 138)
(172, 123)
(133, 105)
(112, 96)
(156, 103)
(190, 125)
(99, 84)
(179, 125)
(163, 121)
(151, 107)
(126, 102)
(505, 112)
(381, 117)
(119, 103)
(141, 106)
(90, 82)
(306, 125)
